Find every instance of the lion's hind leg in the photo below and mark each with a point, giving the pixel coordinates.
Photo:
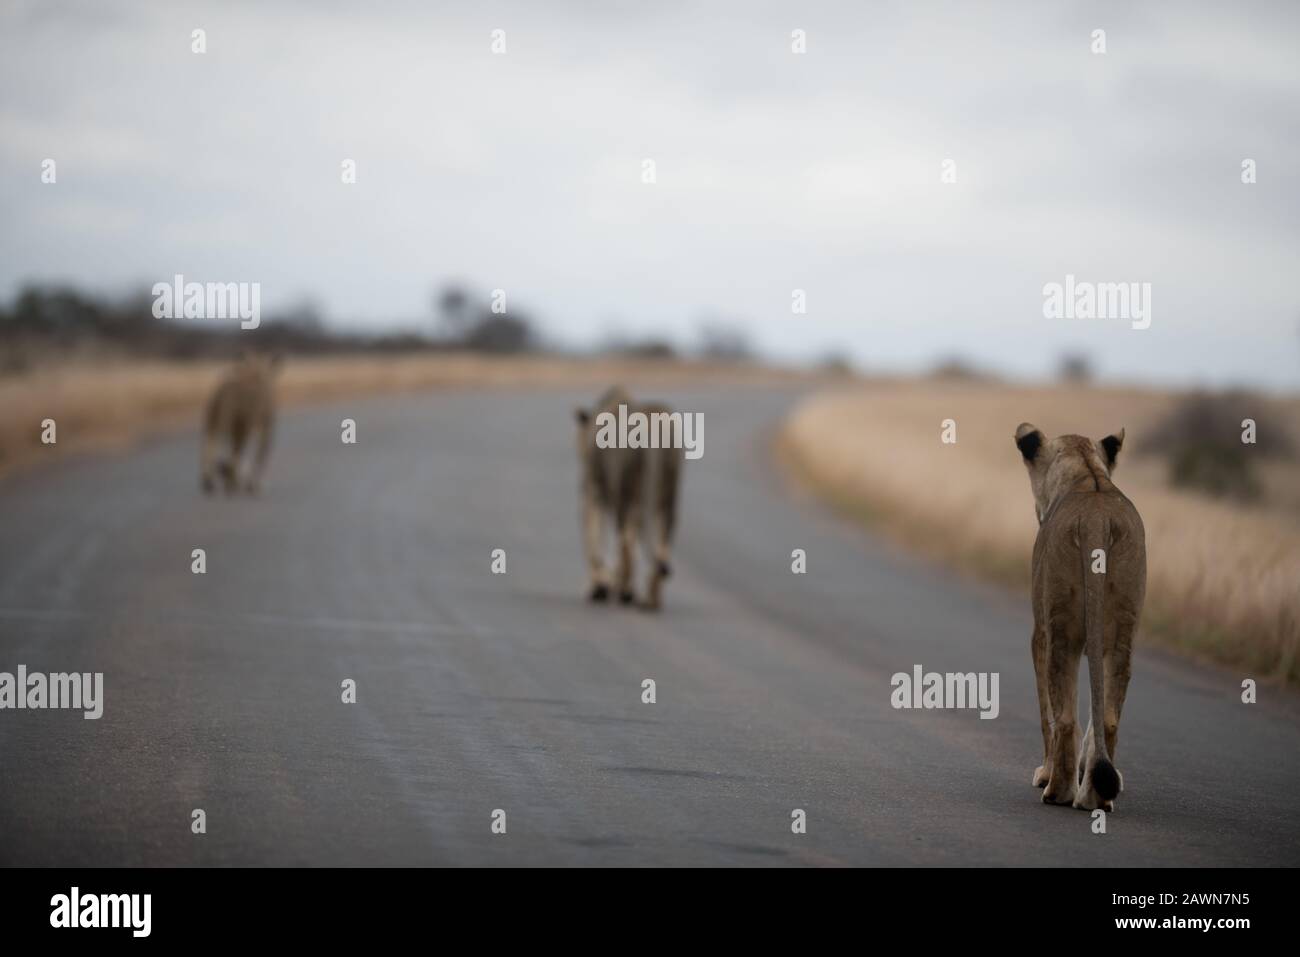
(593, 529)
(629, 531)
(1038, 646)
(1064, 648)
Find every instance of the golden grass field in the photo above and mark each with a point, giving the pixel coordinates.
(1223, 579)
(112, 402)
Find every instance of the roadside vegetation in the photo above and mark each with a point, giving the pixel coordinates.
(1223, 567)
(107, 372)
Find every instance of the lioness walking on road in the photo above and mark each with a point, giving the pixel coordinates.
(636, 486)
(241, 408)
(1089, 581)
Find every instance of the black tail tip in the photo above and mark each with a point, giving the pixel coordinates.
(1105, 780)
(664, 569)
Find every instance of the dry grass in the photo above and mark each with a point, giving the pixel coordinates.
(1223, 579)
(112, 403)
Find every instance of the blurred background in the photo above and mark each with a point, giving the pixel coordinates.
(774, 172)
(670, 187)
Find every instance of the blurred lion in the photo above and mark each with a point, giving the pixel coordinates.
(241, 410)
(638, 488)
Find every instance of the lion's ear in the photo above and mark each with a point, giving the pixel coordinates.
(1110, 447)
(1029, 440)
(582, 415)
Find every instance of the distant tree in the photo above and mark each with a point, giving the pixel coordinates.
(63, 312)
(724, 343)
(958, 368)
(465, 322)
(452, 305)
(647, 347)
(1201, 442)
(650, 348)
(500, 333)
(835, 363)
(303, 316)
(1074, 368)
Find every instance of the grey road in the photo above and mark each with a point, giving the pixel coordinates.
(478, 692)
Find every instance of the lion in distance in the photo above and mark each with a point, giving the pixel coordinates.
(241, 412)
(635, 486)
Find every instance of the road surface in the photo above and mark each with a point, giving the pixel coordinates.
(479, 692)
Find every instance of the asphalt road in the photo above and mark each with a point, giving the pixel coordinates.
(478, 692)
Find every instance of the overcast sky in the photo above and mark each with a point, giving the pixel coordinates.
(775, 171)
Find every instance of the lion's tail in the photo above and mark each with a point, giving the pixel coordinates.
(1095, 535)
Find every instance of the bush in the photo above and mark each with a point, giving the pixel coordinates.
(1075, 369)
(1201, 441)
(720, 342)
